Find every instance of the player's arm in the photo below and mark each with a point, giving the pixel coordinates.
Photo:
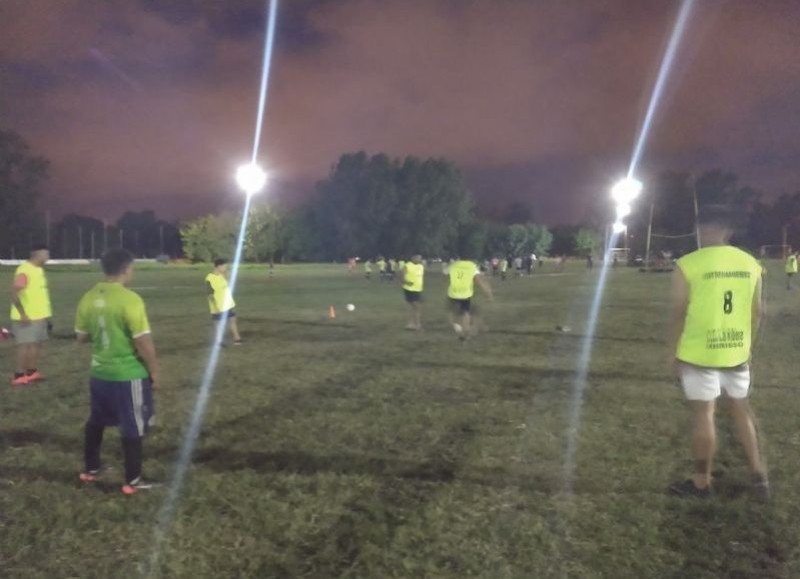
(484, 285)
(210, 294)
(146, 350)
(680, 304)
(757, 313)
(81, 325)
(20, 283)
(136, 319)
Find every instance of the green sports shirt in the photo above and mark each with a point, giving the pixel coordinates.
(113, 317)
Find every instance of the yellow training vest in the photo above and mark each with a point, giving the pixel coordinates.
(462, 280)
(221, 300)
(791, 264)
(413, 280)
(722, 282)
(35, 298)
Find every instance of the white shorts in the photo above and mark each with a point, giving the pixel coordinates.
(707, 384)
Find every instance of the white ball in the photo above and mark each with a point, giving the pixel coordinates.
(350, 307)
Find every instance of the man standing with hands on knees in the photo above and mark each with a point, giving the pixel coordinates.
(717, 309)
(30, 315)
(124, 368)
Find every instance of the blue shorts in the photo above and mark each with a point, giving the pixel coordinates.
(227, 315)
(128, 405)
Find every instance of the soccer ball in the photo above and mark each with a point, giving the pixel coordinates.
(4, 334)
(350, 307)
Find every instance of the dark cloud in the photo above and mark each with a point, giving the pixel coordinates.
(154, 102)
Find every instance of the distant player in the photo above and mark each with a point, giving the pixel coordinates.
(381, 263)
(464, 274)
(220, 300)
(717, 311)
(412, 277)
(124, 368)
(367, 269)
(504, 268)
(30, 315)
(791, 269)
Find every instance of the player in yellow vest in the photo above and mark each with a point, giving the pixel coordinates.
(30, 315)
(412, 276)
(791, 269)
(464, 274)
(717, 311)
(220, 300)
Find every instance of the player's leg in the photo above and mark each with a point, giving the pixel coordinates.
(704, 441)
(21, 360)
(101, 412)
(417, 309)
(736, 384)
(233, 326)
(701, 387)
(135, 407)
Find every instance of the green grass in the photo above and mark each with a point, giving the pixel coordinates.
(351, 448)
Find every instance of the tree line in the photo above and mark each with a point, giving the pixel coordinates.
(378, 205)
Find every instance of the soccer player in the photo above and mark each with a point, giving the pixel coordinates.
(464, 274)
(124, 368)
(717, 311)
(503, 268)
(367, 269)
(220, 300)
(412, 277)
(791, 269)
(30, 315)
(381, 263)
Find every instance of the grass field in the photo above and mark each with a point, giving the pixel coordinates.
(351, 448)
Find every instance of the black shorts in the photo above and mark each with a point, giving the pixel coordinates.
(461, 306)
(225, 315)
(412, 297)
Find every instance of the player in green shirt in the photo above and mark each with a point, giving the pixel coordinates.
(412, 276)
(124, 370)
(717, 312)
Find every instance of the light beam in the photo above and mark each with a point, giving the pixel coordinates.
(251, 179)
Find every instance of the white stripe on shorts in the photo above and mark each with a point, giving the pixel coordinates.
(136, 395)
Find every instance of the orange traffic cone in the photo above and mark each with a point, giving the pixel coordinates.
(332, 313)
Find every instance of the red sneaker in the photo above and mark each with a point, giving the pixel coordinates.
(90, 476)
(21, 381)
(35, 377)
(139, 484)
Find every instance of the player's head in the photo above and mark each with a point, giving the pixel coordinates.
(719, 222)
(416, 258)
(221, 265)
(118, 265)
(40, 253)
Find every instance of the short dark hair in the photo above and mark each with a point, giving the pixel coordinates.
(116, 261)
(39, 247)
(220, 261)
(722, 215)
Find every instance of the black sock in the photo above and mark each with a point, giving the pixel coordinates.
(31, 371)
(18, 375)
(92, 440)
(132, 449)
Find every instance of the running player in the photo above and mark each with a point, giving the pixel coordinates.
(503, 268)
(381, 263)
(717, 311)
(30, 315)
(464, 274)
(367, 269)
(220, 300)
(791, 269)
(124, 368)
(412, 277)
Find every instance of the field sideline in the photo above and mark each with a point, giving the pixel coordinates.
(352, 448)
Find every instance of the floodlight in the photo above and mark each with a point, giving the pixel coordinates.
(251, 178)
(626, 190)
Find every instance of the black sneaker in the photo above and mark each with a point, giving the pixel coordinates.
(687, 489)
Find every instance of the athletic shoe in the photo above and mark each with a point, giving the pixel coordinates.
(237, 342)
(89, 476)
(21, 381)
(138, 485)
(35, 377)
(687, 489)
(761, 488)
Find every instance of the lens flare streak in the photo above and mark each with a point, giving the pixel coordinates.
(169, 506)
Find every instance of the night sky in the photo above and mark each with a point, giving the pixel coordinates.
(151, 104)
